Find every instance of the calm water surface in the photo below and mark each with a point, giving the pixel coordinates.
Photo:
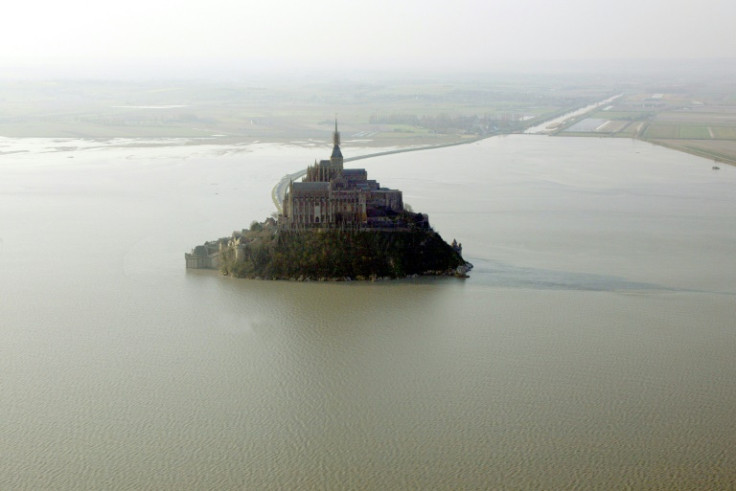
(592, 347)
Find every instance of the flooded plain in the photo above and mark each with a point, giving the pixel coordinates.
(591, 348)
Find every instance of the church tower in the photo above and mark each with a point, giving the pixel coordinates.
(336, 157)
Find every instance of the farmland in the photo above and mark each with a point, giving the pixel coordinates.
(387, 111)
(699, 119)
(720, 150)
(380, 111)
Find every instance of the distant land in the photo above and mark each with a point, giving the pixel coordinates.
(385, 113)
(701, 121)
(691, 112)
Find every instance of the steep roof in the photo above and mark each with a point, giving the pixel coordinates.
(336, 153)
(353, 172)
(310, 188)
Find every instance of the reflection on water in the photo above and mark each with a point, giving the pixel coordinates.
(590, 348)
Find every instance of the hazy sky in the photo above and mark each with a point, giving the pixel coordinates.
(461, 35)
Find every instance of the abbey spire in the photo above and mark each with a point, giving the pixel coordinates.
(336, 136)
(336, 157)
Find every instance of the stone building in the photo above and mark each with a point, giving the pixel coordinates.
(205, 256)
(331, 196)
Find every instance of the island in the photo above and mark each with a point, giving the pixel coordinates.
(335, 224)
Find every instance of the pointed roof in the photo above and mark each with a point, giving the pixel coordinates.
(336, 136)
(336, 153)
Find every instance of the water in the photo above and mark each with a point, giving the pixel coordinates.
(552, 124)
(592, 346)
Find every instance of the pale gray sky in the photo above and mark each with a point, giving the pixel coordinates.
(463, 35)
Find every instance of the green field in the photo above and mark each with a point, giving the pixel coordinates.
(694, 132)
(657, 130)
(670, 131)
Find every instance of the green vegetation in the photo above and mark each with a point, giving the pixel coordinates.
(694, 132)
(318, 254)
(662, 131)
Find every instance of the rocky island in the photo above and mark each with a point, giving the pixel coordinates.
(335, 224)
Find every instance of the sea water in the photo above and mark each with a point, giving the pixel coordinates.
(592, 346)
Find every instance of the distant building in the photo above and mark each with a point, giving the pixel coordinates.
(331, 197)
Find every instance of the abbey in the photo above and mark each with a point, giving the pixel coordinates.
(334, 224)
(333, 197)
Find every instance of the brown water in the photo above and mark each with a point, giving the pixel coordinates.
(592, 347)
